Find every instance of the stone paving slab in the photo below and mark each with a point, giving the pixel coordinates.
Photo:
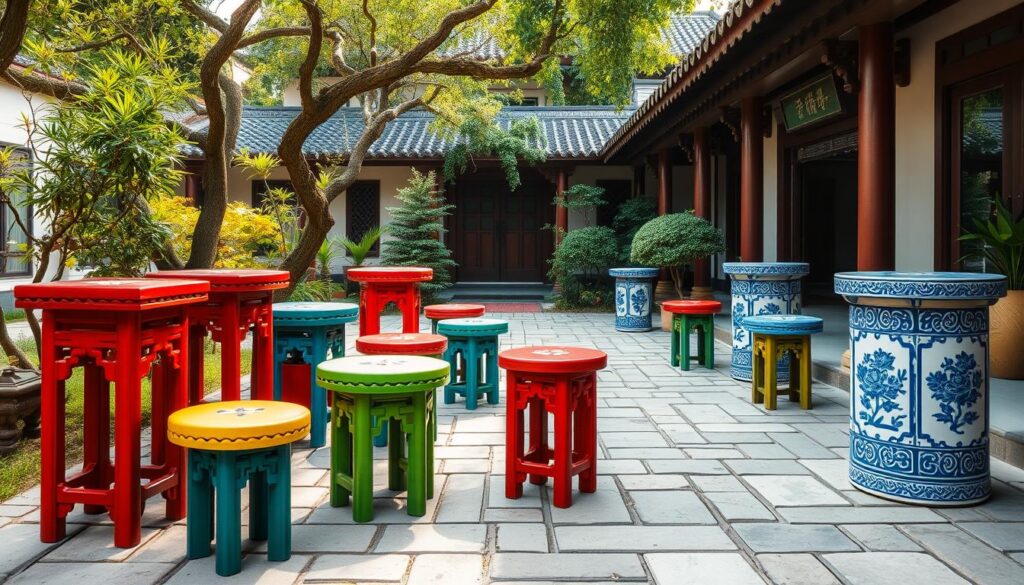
(695, 485)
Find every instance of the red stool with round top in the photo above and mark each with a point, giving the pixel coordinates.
(239, 300)
(380, 285)
(697, 316)
(561, 381)
(116, 330)
(451, 311)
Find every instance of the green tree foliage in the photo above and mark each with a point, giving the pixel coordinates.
(582, 197)
(580, 266)
(674, 241)
(415, 229)
(476, 136)
(631, 215)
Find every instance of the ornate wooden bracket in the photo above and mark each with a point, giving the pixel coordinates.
(686, 145)
(841, 57)
(901, 64)
(730, 118)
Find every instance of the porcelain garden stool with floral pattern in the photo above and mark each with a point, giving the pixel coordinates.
(919, 384)
(393, 388)
(451, 311)
(773, 336)
(561, 381)
(230, 444)
(473, 345)
(304, 332)
(634, 296)
(693, 316)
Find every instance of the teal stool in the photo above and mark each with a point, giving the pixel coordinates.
(231, 444)
(692, 316)
(303, 333)
(474, 342)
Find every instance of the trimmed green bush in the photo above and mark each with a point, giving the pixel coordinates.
(580, 266)
(674, 241)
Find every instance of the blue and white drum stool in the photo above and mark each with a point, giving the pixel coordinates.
(634, 297)
(761, 288)
(919, 384)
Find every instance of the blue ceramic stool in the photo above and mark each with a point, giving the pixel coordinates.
(774, 336)
(306, 331)
(475, 343)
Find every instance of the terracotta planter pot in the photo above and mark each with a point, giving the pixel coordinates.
(1006, 336)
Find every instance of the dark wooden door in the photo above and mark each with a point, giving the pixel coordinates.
(497, 235)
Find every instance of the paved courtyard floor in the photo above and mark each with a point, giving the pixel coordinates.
(697, 485)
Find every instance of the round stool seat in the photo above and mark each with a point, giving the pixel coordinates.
(476, 327)
(390, 274)
(230, 280)
(688, 307)
(553, 359)
(238, 425)
(314, 314)
(382, 374)
(783, 324)
(453, 311)
(402, 344)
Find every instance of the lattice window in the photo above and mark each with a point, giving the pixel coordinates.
(362, 210)
(13, 260)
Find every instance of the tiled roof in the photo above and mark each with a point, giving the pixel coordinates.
(569, 131)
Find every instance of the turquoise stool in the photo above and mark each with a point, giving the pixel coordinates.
(231, 444)
(304, 332)
(472, 341)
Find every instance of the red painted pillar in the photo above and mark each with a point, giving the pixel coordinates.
(664, 182)
(751, 181)
(701, 205)
(561, 213)
(876, 150)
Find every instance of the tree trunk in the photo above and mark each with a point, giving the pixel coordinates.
(15, 356)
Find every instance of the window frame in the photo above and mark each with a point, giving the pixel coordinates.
(28, 219)
(375, 251)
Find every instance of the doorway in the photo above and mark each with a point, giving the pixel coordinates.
(828, 197)
(496, 233)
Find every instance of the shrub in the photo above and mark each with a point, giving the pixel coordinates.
(580, 266)
(247, 238)
(675, 240)
(631, 215)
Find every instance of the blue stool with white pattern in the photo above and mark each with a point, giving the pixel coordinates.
(473, 344)
(303, 333)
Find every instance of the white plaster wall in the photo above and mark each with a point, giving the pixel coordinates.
(915, 131)
(589, 175)
(771, 195)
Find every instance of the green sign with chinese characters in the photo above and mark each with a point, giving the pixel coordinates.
(816, 101)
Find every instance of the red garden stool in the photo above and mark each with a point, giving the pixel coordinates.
(696, 316)
(451, 311)
(116, 330)
(380, 285)
(562, 381)
(239, 300)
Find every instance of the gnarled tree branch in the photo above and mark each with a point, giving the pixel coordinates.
(12, 30)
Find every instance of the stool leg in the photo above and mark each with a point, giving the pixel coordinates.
(259, 502)
(200, 508)
(674, 358)
(279, 545)
(756, 372)
(472, 374)
(513, 440)
(396, 452)
(229, 517)
(415, 467)
(684, 343)
(709, 343)
(317, 396)
(451, 355)
(539, 452)
(341, 455)
(562, 465)
(127, 496)
(805, 374)
(492, 373)
(263, 354)
(431, 437)
(177, 399)
(197, 341)
(278, 360)
(51, 521)
(411, 310)
(585, 432)
(433, 326)
(771, 380)
(96, 446)
(362, 474)
(231, 354)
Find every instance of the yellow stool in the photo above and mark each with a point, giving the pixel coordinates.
(231, 444)
(776, 337)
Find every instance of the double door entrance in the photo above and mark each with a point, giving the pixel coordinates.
(496, 234)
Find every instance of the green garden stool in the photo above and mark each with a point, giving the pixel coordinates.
(693, 316)
(393, 388)
(473, 355)
(231, 444)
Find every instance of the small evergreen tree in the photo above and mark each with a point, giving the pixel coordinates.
(415, 229)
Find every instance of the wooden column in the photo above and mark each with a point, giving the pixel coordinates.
(701, 205)
(751, 180)
(876, 150)
(561, 213)
(639, 180)
(664, 181)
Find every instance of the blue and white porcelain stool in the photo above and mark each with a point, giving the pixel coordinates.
(634, 297)
(475, 343)
(761, 288)
(919, 384)
(775, 336)
(303, 334)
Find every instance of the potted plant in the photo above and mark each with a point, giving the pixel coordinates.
(674, 241)
(358, 251)
(998, 241)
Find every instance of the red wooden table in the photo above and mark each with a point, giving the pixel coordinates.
(561, 381)
(402, 344)
(114, 329)
(380, 285)
(239, 300)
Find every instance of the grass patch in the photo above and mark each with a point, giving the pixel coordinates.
(20, 469)
(14, 315)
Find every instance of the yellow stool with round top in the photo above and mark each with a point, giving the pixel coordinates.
(231, 444)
